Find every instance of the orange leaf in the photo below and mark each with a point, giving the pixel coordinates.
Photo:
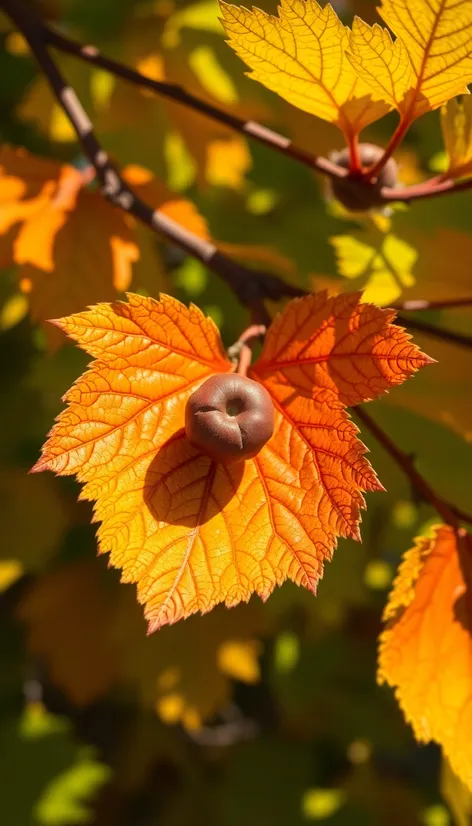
(349, 348)
(72, 247)
(426, 649)
(189, 531)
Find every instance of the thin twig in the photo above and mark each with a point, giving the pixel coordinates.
(249, 285)
(436, 332)
(178, 94)
(427, 189)
(448, 512)
(273, 140)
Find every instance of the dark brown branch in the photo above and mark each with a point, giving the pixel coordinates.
(448, 512)
(436, 332)
(177, 94)
(249, 286)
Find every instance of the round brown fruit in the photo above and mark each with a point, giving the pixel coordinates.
(356, 194)
(229, 417)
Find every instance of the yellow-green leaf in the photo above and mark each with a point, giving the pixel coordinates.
(301, 55)
(382, 261)
(456, 125)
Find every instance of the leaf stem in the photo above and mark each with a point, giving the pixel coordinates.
(355, 166)
(448, 512)
(241, 351)
(393, 144)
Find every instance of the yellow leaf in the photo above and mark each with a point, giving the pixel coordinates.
(10, 571)
(382, 261)
(13, 311)
(301, 55)
(239, 659)
(228, 160)
(211, 75)
(383, 63)
(456, 794)
(431, 60)
(456, 125)
(425, 652)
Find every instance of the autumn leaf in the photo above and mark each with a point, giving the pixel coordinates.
(378, 262)
(426, 651)
(301, 55)
(49, 225)
(456, 125)
(428, 63)
(72, 247)
(456, 794)
(196, 149)
(189, 531)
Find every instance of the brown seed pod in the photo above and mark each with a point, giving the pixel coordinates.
(356, 194)
(230, 417)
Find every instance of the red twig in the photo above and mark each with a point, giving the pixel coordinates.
(241, 351)
(448, 512)
(428, 189)
(392, 145)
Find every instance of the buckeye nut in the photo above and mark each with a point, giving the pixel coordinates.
(229, 417)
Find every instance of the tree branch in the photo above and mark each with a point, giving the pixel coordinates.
(448, 512)
(248, 285)
(177, 94)
(251, 129)
(436, 332)
(428, 189)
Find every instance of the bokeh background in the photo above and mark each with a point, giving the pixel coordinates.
(265, 714)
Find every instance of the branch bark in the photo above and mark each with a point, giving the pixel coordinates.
(249, 285)
(447, 511)
(251, 129)
(171, 91)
